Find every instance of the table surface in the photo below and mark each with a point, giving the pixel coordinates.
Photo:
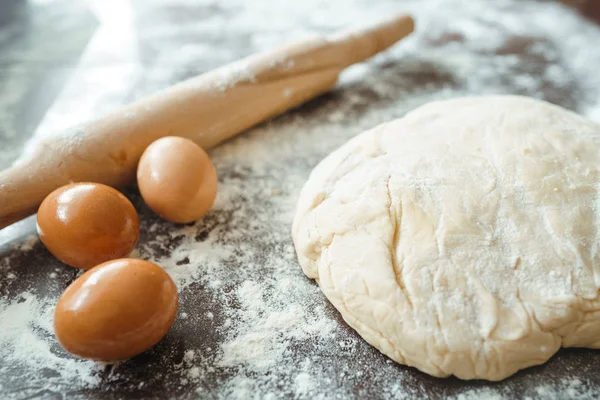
(250, 324)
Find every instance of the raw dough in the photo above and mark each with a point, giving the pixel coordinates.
(461, 239)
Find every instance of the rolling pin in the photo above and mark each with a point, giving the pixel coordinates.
(207, 109)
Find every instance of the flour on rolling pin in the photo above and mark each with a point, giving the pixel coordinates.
(236, 74)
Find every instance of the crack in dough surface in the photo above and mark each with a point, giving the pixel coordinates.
(462, 238)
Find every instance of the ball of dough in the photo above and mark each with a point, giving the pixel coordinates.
(461, 239)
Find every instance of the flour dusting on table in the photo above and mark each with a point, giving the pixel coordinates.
(251, 324)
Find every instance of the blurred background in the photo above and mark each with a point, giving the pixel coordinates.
(134, 47)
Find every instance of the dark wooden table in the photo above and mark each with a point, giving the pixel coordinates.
(61, 58)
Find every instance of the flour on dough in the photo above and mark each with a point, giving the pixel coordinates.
(463, 238)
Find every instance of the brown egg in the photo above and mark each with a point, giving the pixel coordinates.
(177, 179)
(85, 224)
(116, 310)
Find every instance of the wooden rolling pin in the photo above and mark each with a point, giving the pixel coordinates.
(208, 109)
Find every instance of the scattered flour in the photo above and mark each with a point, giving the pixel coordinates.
(27, 342)
(255, 326)
(28, 243)
(258, 343)
(564, 389)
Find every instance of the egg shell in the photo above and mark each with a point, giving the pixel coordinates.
(116, 310)
(85, 224)
(177, 179)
